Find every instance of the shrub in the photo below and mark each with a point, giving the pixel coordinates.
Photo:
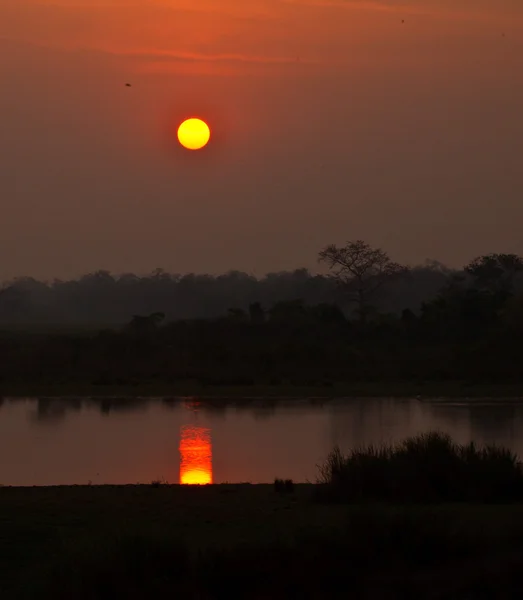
(424, 468)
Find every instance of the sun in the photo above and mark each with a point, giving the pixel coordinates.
(194, 134)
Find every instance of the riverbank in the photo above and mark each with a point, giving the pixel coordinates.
(199, 542)
(423, 390)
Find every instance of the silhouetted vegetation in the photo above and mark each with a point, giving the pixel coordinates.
(283, 485)
(156, 483)
(246, 541)
(103, 299)
(361, 272)
(370, 320)
(397, 556)
(429, 468)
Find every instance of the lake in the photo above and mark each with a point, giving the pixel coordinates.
(59, 441)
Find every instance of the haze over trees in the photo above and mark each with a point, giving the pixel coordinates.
(102, 298)
(368, 319)
(363, 282)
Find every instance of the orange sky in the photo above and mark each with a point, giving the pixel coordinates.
(331, 120)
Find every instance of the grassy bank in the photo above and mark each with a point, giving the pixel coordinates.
(429, 468)
(248, 541)
(427, 389)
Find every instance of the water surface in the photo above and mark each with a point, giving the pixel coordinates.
(122, 440)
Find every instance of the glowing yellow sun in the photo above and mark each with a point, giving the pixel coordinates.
(194, 134)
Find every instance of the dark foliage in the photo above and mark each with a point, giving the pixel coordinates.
(429, 468)
(283, 485)
(103, 299)
(288, 328)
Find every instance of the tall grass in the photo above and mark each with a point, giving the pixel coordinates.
(425, 468)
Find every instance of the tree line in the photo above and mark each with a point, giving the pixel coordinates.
(360, 279)
(468, 328)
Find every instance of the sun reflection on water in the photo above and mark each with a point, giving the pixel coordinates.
(195, 455)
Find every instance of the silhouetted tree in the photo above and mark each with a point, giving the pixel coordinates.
(495, 272)
(146, 324)
(14, 302)
(512, 314)
(256, 313)
(408, 319)
(361, 271)
(237, 314)
(327, 313)
(101, 300)
(290, 311)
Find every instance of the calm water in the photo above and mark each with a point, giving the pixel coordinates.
(81, 440)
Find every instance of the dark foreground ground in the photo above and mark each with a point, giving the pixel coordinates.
(249, 541)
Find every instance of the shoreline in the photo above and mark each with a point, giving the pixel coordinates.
(422, 391)
(174, 487)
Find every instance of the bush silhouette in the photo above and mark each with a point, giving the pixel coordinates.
(423, 469)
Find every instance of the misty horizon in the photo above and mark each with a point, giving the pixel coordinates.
(317, 270)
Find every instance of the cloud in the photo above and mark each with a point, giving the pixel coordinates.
(174, 56)
(197, 63)
(175, 25)
(214, 35)
(151, 60)
(482, 9)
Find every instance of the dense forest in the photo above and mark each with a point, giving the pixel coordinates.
(102, 299)
(369, 319)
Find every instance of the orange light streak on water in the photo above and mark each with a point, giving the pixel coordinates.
(195, 455)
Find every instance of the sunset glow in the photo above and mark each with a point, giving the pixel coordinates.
(194, 134)
(249, 127)
(195, 455)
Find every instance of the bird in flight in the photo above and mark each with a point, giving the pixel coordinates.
(127, 85)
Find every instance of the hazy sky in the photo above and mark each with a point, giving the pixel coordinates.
(331, 120)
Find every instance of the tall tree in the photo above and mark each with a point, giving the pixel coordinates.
(495, 272)
(141, 324)
(361, 271)
(256, 313)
